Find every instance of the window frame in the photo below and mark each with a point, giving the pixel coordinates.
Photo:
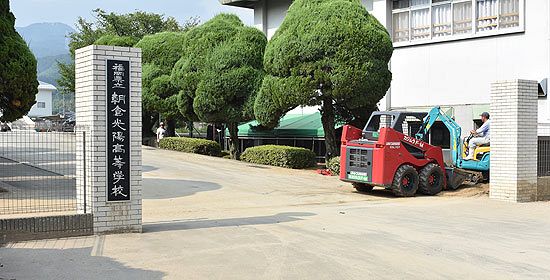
(475, 33)
(39, 103)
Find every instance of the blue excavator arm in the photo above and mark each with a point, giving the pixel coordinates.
(454, 129)
(456, 142)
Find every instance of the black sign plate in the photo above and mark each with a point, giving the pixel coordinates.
(118, 130)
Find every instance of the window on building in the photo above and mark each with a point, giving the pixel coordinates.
(41, 104)
(424, 20)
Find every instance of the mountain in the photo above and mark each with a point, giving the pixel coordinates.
(47, 67)
(46, 39)
(49, 44)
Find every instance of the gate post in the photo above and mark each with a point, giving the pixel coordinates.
(108, 110)
(514, 120)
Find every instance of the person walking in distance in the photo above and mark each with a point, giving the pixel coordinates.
(161, 132)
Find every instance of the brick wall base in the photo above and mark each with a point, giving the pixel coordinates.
(22, 229)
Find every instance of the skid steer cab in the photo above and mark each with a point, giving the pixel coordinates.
(386, 154)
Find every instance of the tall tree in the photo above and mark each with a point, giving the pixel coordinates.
(159, 54)
(330, 53)
(18, 82)
(116, 29)
(220, 73)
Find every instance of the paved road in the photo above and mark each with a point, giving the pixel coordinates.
(210, 218)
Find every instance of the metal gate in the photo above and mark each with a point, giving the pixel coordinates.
(38, 172)
(543, 156)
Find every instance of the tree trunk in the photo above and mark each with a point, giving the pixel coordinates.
(327, 118)
(234, 140)
(170, 127)
(147, 126)
(190, 127)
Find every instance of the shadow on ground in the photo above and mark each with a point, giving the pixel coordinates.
(149, 168)
(230, 222)
(166, 188)
(379, 192)
(65, 264)
(465, 190)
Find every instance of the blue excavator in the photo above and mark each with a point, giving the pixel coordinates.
(461, 170)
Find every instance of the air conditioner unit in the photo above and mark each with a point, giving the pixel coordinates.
(543, 88)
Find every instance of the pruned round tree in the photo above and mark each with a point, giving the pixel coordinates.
(327, 53)
(18, 82)
(159, 54)
(220, 73)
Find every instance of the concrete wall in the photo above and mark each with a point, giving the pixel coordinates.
(46, 97)
(268, 15)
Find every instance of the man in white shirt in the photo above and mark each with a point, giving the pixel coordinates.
(483, 137)
(161, 131)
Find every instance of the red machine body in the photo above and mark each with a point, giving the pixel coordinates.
(374, 159)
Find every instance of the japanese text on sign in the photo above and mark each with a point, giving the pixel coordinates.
(118, 130)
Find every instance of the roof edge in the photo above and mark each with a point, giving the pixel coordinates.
(249, 4)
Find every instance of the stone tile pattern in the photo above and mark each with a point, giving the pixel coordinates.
(112, 217)
(514, 141)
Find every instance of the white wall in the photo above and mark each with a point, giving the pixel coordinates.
(42, 96)
(461, 72)
(268, 15)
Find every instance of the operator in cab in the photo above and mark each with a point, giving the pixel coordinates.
(482, 136)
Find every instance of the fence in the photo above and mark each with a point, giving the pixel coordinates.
(38, 171)
(544, 156)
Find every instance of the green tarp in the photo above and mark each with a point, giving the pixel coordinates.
(290, 126)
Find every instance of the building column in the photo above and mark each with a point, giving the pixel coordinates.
(109, 180)
(514, 117)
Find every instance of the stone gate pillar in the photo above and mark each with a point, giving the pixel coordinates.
(514, 118)
(108, 111)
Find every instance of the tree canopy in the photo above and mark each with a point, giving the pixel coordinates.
(159, 54)
(331, 53)
(18, 82)
(116, 30)
(220, 73)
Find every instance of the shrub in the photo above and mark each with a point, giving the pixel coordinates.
(191, 145)
(283, 156)
(334, 165)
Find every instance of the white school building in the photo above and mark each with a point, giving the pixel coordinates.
(44, 101)
(448, 52)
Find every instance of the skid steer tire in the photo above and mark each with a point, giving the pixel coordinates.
(405, 181)
(362, 187)
(431, 179)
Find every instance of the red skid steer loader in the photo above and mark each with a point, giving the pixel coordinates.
(385, 155)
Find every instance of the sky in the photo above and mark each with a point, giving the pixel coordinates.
(67, 11)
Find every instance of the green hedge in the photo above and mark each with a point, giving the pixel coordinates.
(191, 145)
(334, 165)
(283, 156)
